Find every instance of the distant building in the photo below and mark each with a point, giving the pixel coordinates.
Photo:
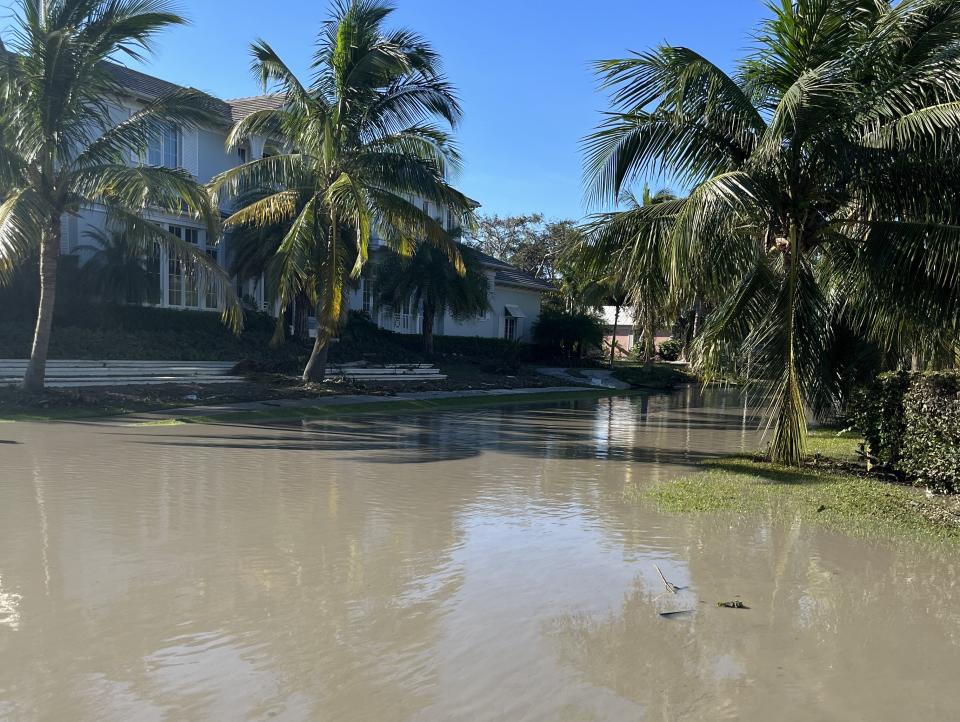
(624, 330)
(515, 295)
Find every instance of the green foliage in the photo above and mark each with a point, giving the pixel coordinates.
(671, 349)
(931, 442)
(659, 377)
(61, 149)
(911, 425)
(878, 414)
(540, 247)
(119, 271)
(88, 330)
(569, 335)
(363, 145)
(823, 177)
(428, 280)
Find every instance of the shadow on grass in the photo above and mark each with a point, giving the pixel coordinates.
(748, 466)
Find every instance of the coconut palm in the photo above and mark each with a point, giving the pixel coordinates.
(823, 177)
(428, 280)
(628, 249)
(118, 271)
(364, 143)
(64, 150)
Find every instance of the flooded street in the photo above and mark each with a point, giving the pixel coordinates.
(470, 565)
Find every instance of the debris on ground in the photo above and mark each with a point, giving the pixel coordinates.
(735, 604)
(672, 588)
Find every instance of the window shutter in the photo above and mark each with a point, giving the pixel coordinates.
(190, 151)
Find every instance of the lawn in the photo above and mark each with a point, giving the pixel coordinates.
(831, 490)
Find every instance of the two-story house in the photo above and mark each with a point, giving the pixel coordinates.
(515, 295)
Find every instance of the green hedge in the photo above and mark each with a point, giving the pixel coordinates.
(911, 425)
(878, 414)
(671, 349)
(931, 444)
(85, 330)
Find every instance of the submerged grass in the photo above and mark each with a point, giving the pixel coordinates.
(828, 492)
(399, 406)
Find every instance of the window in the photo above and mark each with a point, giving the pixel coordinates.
(211, 297)
(163, 148)
(366, 286)
(242, 155)
(512, 318)
(183, 288)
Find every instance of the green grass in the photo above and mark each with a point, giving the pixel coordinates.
(401, 406)
(823, 493)
(659, 377)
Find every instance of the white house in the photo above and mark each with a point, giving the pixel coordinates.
(515, 295)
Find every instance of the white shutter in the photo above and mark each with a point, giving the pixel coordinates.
(65, 234)
(190, 150)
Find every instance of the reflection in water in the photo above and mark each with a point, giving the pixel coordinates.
(479, 565)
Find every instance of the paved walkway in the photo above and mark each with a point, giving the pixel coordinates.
(602, 378)
(345, 400)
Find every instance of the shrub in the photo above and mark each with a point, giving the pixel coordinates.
(568, 335)
(878, 414)
(670, 349)
(931, 443)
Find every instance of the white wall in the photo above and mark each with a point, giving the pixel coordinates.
(213, 157)
(489, 325)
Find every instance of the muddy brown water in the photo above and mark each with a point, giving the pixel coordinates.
(470, 565)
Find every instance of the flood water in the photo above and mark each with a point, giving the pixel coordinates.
(473, 565)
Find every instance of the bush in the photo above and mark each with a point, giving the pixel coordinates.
(670, 349)
(567, 335)
(911, 425)
(931, 443)
(878, 414)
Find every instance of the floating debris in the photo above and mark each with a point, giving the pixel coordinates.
(736, 604)
(679, 614)
(672, 588)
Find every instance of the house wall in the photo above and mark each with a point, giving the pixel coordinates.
(213, 158)
(202, 152)
(488, 325)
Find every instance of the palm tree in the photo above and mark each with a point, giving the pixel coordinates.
(628, 248)
(63, 151)
(823, 176)
(428, 280)
(363, 144)
(118, 271)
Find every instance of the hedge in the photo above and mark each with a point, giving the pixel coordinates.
(911, 425)
(878, 413)
(931, 444)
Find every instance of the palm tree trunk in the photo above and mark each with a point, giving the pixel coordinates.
(33, 380)
(649, 338)
(613, 338)
(327, 315)
(790, 429)
(316, 368)
(301, 314)
(428, 315)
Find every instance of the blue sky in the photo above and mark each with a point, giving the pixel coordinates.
(522, 68)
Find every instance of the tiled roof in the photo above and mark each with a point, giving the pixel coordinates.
(149, 87)
(516, 277)
(511, 275)
(240, 108)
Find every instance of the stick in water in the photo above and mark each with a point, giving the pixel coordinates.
(672, 588)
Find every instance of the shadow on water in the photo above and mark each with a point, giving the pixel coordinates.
(633, 429)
